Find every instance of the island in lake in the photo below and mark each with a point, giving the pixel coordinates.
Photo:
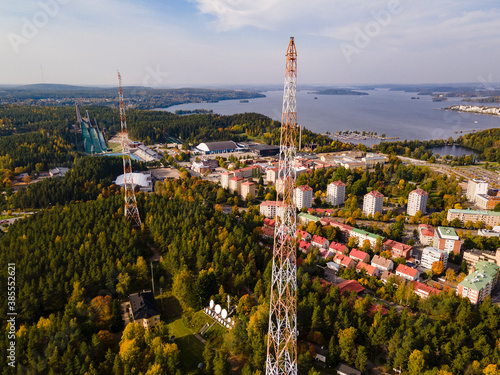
(475, 109)
(193, 111)
(338, 92)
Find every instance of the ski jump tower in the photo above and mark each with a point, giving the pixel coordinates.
(282, 335)
(131, 210)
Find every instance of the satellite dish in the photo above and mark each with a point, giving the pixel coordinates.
(224, 314)
(217, 309)
(212, 303)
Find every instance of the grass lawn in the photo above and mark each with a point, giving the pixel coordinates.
(191, 348)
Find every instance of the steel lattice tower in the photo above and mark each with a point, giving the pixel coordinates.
(131, 210)
(282, 335)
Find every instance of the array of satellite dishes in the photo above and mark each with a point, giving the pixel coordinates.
(219, 314)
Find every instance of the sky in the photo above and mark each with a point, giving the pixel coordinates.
(171, 43)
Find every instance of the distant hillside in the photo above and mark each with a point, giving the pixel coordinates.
(135, 96)
(338, 92)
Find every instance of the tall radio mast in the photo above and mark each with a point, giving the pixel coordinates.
(282, 335)
(131, 210)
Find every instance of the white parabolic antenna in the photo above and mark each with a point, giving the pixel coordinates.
(212, 303)
(217, 309)
(224, 314)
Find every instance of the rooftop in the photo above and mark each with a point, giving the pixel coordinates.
(143, 305)
(476, 281)
(407, 270)
(309, 217)
(447, 233)
(474, 212)
(338, 183)
(375, 193)
(419, 192)
(489, 268)
(305, 188)
(381, 261)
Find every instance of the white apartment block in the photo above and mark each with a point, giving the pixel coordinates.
(335, 193)
(247, 187)
(373, 202)
(303, 196)
(224, 179)
(271, 175)
(475, 187)
(431, 255)
(417, 201)
(270, 209)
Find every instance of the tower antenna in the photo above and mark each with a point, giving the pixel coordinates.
(282, 335)
(131, 210)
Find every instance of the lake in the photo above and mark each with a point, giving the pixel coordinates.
(453, 151)
(394, 113)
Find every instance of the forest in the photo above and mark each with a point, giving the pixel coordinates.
(39, 138)
(89, 178)
(74, 262)
(138, 96)
(486, 142)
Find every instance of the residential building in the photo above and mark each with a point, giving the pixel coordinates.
(271, 175)
(304, 246)
(344, 260)
(303, 235)
(350, 286)
(431, 255)
(478, 285)
(224, 179)
(417, 201)
(382, 263)
(270, 209)
(373, 202)
(407, 273)
(486, 217)
(474, 256)
(320, 242)
(247, 187)
(370, 270)
(143, 309)
(306, 218)
(426, 234)
(424, 291)
(267, 232)
(359, 256)
(335, 193)
(398, 249)
(363, 235)
(303, 196)
(269, 223)
(476, 187)
(336, 247)
(247, 172)
(235, 184)
(488, 201)
(344, 228)
(445, 238)
(488, 233)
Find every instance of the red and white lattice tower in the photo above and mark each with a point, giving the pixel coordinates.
(131, 210)
(282, 335)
